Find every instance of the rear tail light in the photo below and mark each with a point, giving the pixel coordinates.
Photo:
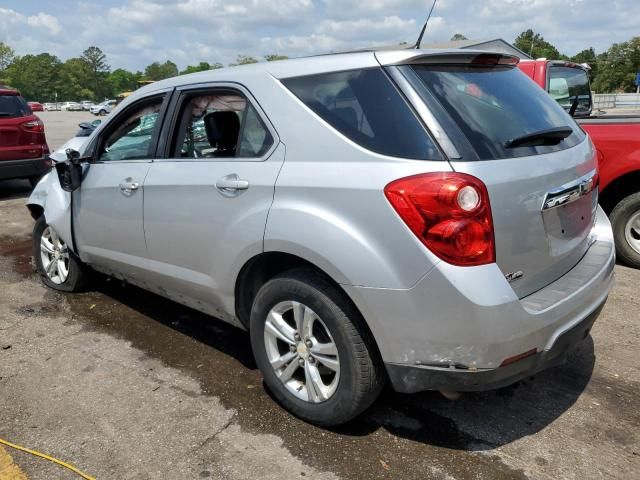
(450, 214)
(35, 126)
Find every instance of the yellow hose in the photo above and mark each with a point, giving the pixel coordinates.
(47, 457)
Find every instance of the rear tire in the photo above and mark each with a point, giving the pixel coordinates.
(330, 365)
(625, 219)
(57, 265)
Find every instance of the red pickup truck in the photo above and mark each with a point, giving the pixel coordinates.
(23, 147)
(617, 140)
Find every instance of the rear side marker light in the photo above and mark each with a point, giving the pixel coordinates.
(449, 213)
(517, 358)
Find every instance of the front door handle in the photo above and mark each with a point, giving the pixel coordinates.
(129, 187)
(231, 184)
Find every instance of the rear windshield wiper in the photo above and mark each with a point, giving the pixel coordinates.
(552, 136)
(6, 114)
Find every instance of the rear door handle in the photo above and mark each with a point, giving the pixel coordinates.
(231, 183)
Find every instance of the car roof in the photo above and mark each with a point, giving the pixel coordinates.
(9, 91)
(334, 62)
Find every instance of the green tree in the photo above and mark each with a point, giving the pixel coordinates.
(75, 81)
(243, 60)
(275, 57)
(6, 56)
(589, 57)
(121, 80)
(536, 46)
(458, 37)
(36, 76)
(160, 71)
(617, 67)
(201, 67)
(99, 68)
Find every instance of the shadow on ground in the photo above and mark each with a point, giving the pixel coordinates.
(478, 421)
(220, 357)
(10, 189)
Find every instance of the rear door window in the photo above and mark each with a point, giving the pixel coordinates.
(494, 105)
(12, 106)
(220, 124)
(365, 107)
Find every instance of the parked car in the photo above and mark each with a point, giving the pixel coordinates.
(50, 107)
(23, 146)
(87, 128)
(433, 219)
(71, 106)
(103, 108)
(35, 106)
(617, 140)
(87, 104)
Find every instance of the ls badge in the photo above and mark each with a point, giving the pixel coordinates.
(512, 277)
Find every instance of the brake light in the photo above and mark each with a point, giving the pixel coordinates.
(449, 212)
(33, 126)
(494, 59)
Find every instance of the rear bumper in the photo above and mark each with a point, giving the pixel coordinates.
(411, 379)
(32, 167)
(458, 325)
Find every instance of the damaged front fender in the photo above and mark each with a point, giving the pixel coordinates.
(48, 198)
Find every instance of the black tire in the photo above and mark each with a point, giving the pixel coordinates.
(361, 372)
(78, 276)
(620, 216)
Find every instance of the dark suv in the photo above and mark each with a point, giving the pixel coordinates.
(23, 146)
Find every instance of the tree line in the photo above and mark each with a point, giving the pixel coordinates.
(613, 71)
(44, 77)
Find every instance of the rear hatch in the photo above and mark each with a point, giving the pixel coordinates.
(21, 132)
(538, 165)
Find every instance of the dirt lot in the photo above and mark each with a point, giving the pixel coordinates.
(127, 385)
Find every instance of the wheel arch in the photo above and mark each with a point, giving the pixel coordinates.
(261, 268)
(620, 188)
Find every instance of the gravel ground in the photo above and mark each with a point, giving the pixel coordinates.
(127, 385)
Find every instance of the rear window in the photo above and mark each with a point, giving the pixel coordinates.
(12, 106)
(494, 105)
(365, 107)
(566, 84)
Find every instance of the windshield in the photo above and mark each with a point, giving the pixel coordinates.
(568, 83)
(493, 106)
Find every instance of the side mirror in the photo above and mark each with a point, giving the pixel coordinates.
(70, 172)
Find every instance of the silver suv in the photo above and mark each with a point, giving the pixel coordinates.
(422, 217)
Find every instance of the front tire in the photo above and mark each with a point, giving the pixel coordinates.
(313, 356)
(625, 219)
(58, 267)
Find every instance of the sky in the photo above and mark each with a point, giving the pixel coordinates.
(134, 33)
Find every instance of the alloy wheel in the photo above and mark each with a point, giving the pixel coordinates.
(632, 232)
(302, 352)
(54, 255)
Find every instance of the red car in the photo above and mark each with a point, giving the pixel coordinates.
(23, 147)
(617, 140)
(36, 106)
